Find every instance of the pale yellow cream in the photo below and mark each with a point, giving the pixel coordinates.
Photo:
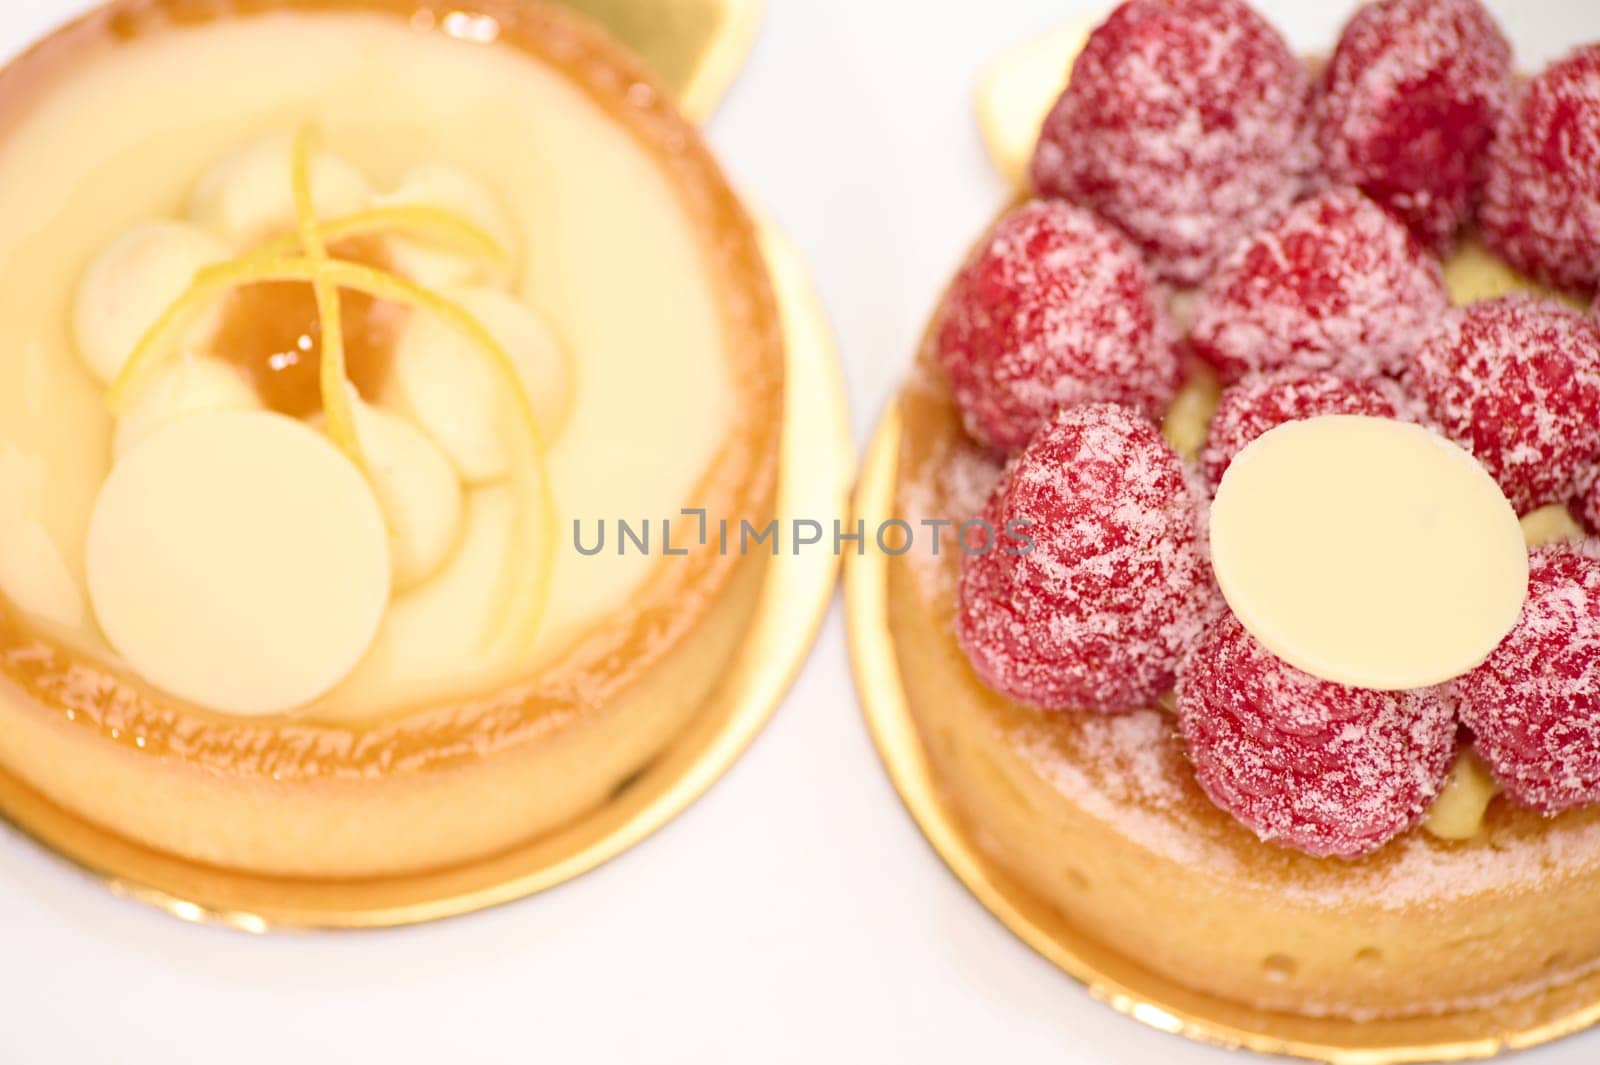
(609, 257)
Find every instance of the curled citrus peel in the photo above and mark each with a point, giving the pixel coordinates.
(152, 350)
(333, 378)
(423, 222)
(524, 590)
(524, 600)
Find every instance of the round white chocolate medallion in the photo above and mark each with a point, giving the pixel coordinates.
(1367, 551)
(238, 560)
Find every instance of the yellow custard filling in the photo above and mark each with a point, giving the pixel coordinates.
(449, 235)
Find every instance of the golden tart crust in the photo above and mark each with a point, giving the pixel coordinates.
(444, 782)
(1100, 817)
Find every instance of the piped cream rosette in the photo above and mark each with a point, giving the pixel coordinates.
(247, 561)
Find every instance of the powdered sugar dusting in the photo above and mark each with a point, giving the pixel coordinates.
(1534, 706)
(1541, 196)
(1115, 587)
(1587, 506)
(1183, 124)
(952, 487)
(1055, 309)
(1516, 381)
(1130, 773)
(1324, 768)
(1408, 104)
(1417, 869)
(1335, 283)
(1125, 770)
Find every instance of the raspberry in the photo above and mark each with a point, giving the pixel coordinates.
(1317, 766)
(1055, 309)
(1184, 125)
(1409, 103)
(1541, 194)
(1098, 612)
(1263, 401)
(1516, 381)
(1588, 502)
(1534, 705)
(1334, 283)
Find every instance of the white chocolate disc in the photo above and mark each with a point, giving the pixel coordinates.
(448, 387)
(248, 194)
(238, 560)
(418, 489)
(191, 385)
(129, 284)
(456, 191)
(1368, 552)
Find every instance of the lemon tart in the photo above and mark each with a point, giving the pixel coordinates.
(334, 325)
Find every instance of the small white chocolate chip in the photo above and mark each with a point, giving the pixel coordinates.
(131, 283)
(418, 489)
(192, 385)
(248, 194)
(442, 381)
(456, 191)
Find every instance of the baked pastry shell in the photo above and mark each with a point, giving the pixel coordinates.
(454, 805)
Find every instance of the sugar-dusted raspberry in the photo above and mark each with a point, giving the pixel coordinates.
(1333, 283)
(1587, 505)
(1516, 381)
(1097, 611)
(1320, 767)
(1260, 402)
(1183, 124)
(1541, 193)
(1408, 105)
(1054, 309)
(1534, 705)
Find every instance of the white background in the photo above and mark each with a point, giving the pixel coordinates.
(794, 914)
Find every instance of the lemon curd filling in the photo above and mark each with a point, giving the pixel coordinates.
(327, 322)
(436, 302)
(155, 584)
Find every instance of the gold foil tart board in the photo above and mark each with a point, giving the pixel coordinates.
(696, 47)
(1117, 980)
(817, 466)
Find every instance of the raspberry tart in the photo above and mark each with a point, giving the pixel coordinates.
(1280, 699)
(312, 373)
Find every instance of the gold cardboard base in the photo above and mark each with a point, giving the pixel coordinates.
(818, 461)
(1119, 981)
(696, 47)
